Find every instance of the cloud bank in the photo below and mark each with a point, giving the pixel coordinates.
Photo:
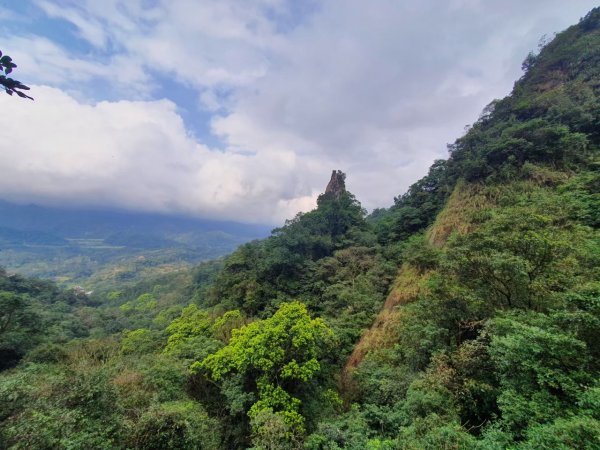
(274, 97)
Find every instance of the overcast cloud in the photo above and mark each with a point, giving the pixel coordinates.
(240, 109)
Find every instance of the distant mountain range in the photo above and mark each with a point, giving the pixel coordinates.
(70, 244)
(82, 223)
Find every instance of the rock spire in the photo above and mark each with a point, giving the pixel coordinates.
(337, 184)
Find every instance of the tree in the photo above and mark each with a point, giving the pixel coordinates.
(518, 259)
(191, 335)
(18, 328)
(10, 85)
(276, 355)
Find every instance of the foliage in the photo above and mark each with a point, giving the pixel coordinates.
(175, 425)
(277, 356)
(489, 337)
(33, 312)
(10, 85)
(190, 335)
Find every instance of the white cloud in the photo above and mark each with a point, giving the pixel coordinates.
(376, 89)
(135, 155)
(44, 62)
(89, 29)
(379, 90)
(202, 44)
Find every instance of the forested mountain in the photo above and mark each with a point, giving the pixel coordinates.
(465, 316)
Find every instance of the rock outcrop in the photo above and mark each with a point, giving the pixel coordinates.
(337, 185)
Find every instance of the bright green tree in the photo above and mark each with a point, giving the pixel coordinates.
(279, 354)
(191, 335)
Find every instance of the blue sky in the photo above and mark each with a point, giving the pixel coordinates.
(237, 109)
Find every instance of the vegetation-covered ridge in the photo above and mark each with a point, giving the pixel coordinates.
(465, 316)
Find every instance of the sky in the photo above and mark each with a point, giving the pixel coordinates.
(240, 109)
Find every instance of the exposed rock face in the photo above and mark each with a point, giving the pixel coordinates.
(337, 185)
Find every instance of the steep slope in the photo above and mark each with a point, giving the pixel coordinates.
(543, 133)
(457, 217)
(478, 332)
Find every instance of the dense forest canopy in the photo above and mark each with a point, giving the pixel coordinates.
(465, 316)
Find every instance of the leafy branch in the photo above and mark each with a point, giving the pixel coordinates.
(10, 85)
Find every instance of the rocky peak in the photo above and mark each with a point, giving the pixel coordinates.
(337, 185)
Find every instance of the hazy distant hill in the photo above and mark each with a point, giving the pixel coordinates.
(70, 245)
(101, 223)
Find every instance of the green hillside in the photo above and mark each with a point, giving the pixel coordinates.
(465, 316)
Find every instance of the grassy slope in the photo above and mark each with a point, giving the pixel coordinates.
(465, 202)
(563, 78)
